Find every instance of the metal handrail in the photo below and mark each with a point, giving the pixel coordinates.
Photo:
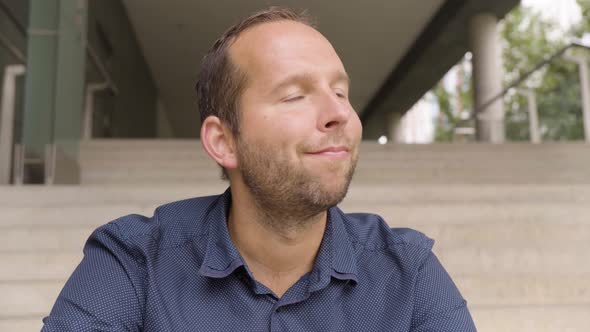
(16, 52)
(526, 75)
(532, 108)
(101, 69)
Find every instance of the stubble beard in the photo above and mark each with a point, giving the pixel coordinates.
(287, 194)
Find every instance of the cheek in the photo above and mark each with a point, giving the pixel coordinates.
(278, 135)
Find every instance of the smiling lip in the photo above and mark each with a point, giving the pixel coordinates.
(332, 151)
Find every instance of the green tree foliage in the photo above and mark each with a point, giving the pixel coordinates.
(584, 26)
(455, 106)
(447, 121)
(528, 39)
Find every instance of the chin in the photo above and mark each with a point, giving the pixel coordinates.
(335, 186)
(336, 190)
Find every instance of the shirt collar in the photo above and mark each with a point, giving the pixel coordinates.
(221, 255)
(343, 255)
(336, 257)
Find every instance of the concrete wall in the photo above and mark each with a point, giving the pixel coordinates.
(133, 111)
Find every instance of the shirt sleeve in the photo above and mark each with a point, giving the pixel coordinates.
(102, 292)
(439, 306)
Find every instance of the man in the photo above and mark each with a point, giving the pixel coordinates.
(273, 252)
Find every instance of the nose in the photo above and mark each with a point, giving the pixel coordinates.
(334, 112)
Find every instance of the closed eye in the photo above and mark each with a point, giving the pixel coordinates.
(293, 99)
(341, 94)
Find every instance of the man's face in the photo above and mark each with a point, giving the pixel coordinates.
(299, 135)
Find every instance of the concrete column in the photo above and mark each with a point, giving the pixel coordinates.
(41, 75)
(54, 86)
(71, 62)
(487, 78)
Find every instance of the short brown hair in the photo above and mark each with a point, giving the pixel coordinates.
(220, 82)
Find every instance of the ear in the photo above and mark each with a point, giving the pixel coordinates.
(218, 141)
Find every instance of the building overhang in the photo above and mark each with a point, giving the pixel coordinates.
(394, 51)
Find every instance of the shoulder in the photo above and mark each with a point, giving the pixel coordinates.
(372, 232)
(170, 225)
(371, 235)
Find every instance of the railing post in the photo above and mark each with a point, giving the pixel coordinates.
(91, 89)
(585, 89)
(531, 98)
(19, 162)
(7, 114)
(582, 62)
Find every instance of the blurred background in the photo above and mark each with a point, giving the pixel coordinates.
(476, 119)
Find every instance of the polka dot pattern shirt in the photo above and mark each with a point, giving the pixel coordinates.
(180, 271)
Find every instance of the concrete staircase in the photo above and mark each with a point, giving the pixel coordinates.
(511, 222)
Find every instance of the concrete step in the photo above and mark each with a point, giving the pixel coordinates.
(28, 299)
(44, 238)
(555, 318)
(90, 216)
(400, 215)
(474, 213)
(21, 324)
(484, 290)
(482, 160)
(130, 177)
(509, 235)
(437, 157)
(64, 195)
(192, 144)
(162, 158)
(122, 179)
(116, 154)
(514, 250)
(571, 153)
(38, 266)
(551, 260)
(364, 166)
(105, 144)
(532, 173)
(155, 147)
(474, 178)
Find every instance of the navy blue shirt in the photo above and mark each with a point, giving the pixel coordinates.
(180, 271)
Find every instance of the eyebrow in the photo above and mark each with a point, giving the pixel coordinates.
(340, 76)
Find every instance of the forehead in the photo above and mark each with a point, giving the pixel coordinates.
(269, 51)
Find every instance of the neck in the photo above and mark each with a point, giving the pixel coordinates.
(273, 243)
